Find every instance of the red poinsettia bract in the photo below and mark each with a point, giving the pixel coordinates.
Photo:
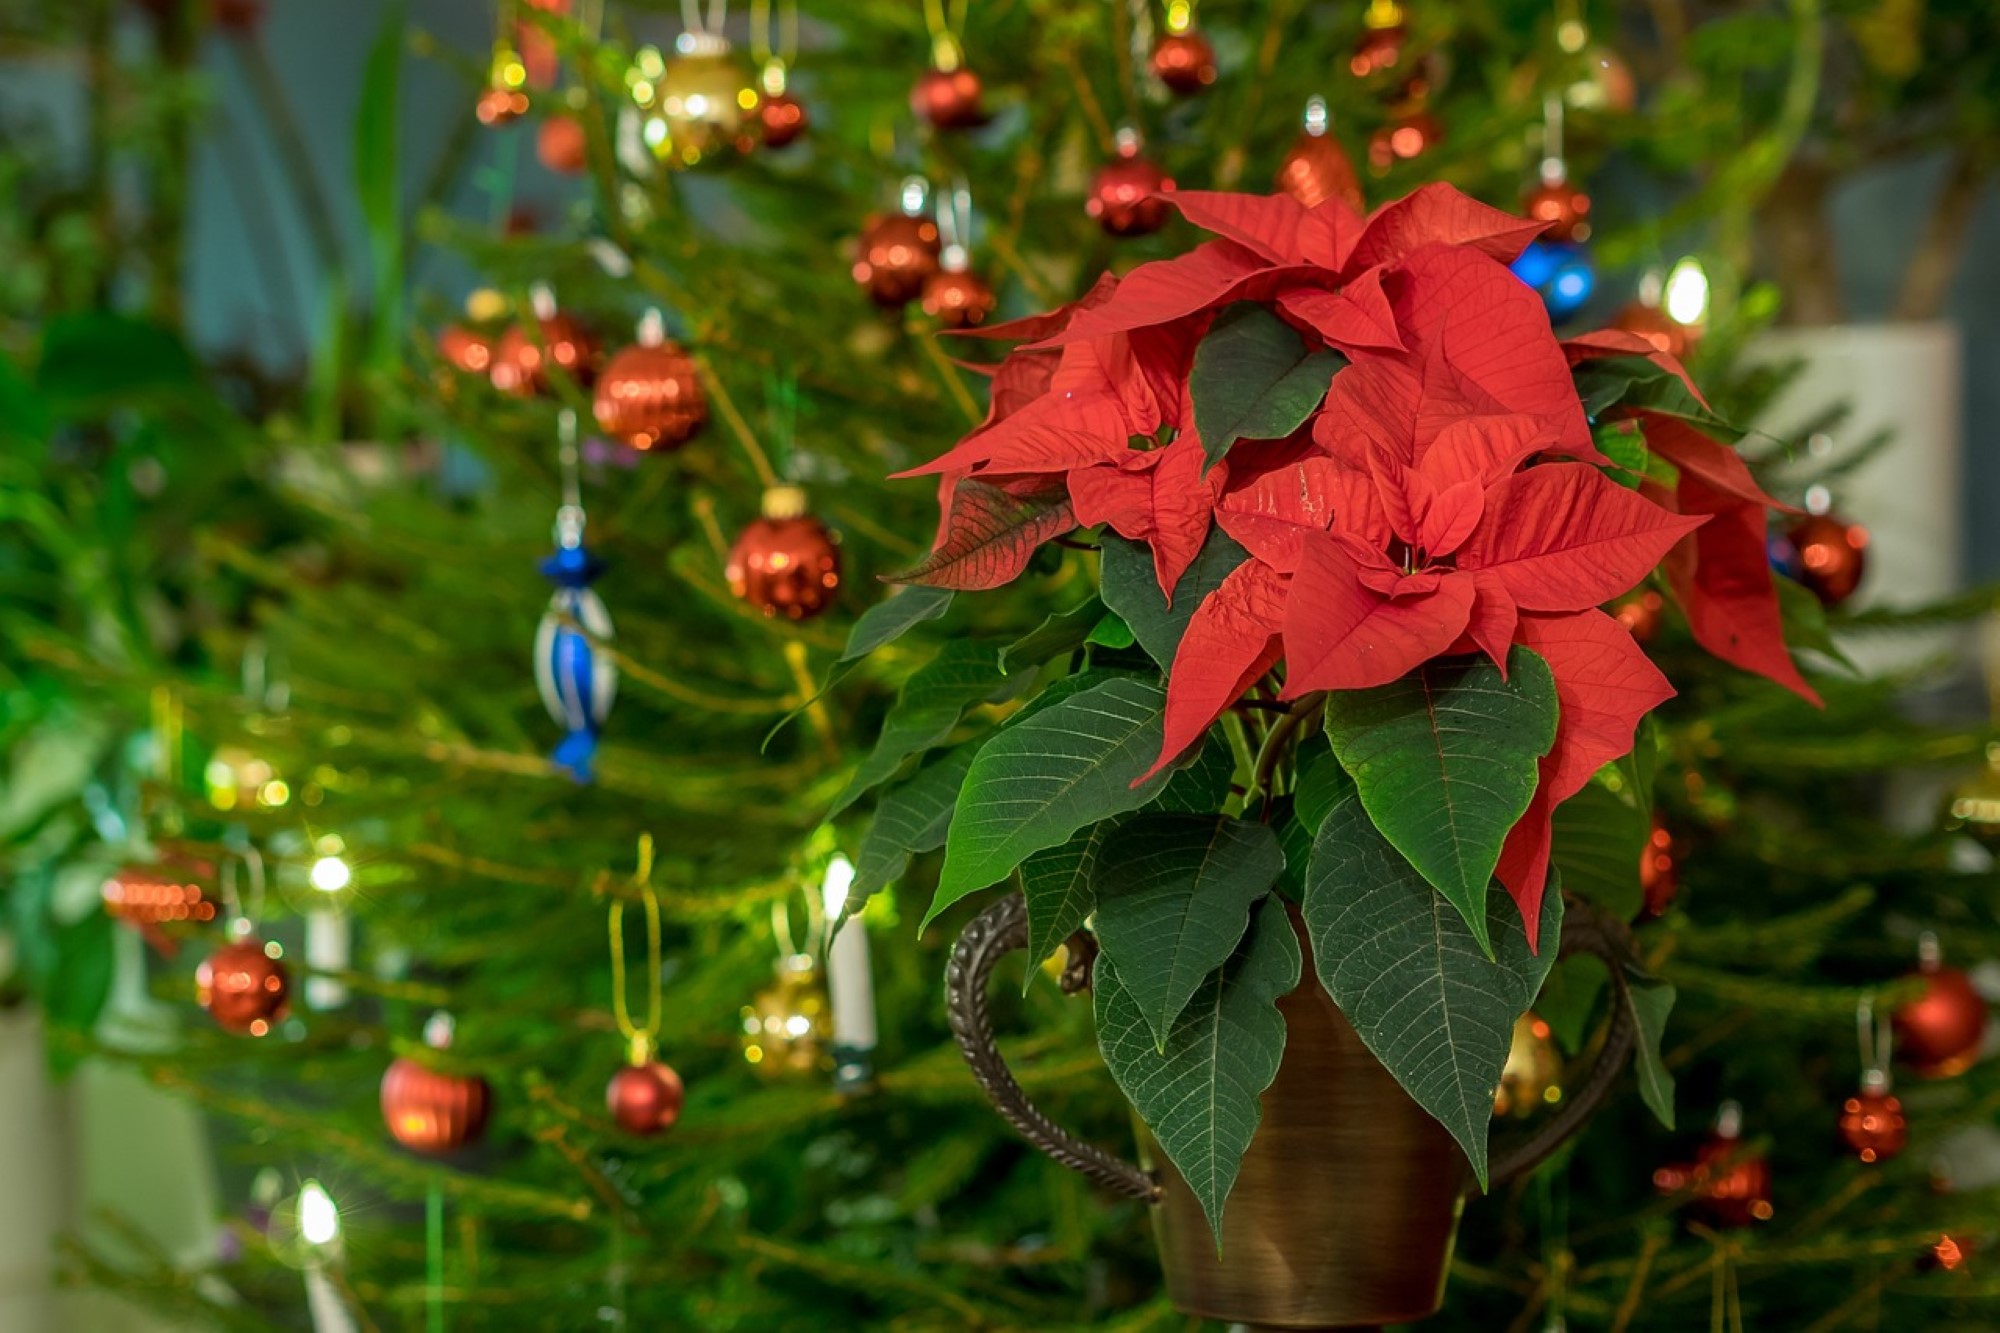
(1445, 498)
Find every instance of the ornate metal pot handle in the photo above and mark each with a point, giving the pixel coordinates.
(1003, 927)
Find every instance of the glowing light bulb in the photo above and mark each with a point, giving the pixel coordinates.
(330, 874)
(1687, 292)
(833, 889)
(319, 1220)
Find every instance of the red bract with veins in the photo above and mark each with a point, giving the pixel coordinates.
(1445, 497)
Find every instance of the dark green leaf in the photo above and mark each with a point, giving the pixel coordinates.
(1174, 894)
(1057, 884)
(910, 819)
(892, 617)
(1568, 997)
(1804, 617)
(1409, 974)
(962, 674)
(1199, 1095)
(93, 361)
(1600, 836)
(1652, 1000)
(1063, 632)
(1255, 378)
(1446, 760)
(1132, 589)
(1201, 784)
(1112, 632)
(1048, 774)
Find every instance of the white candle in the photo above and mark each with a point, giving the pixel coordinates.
(329, 1313)
(319, 1228)
(850, 987)
(329, 935)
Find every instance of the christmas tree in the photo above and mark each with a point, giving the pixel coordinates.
(272, 652)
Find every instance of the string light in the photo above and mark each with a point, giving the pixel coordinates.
(319, 1219)
(1687, 292)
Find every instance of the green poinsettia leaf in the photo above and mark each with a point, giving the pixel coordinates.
(1058, 885)
(1568, 997)
(912, 818)
(1174, 894)
(1048, 774)
(963, 673)
(1446, 760)
(894, 616)
(1411, 977)
(1199, 1093)
(1112, 632)
(1200, 785)
(1255, 378)
(1600, 836)
(1132, 589)
(1651, 1001)
(1063, 632)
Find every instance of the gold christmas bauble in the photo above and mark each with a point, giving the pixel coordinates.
(706, 104)
(1532, 1076)
(787, 1026)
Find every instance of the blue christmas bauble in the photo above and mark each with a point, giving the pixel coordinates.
(1562, 274)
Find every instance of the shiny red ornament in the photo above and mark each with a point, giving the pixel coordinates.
(1564, 207)
(499, 104)
(243, 987)
(898, 254)
(949, 99)
(1729, 1188)
(150, 899)
(1640, 614)
(785, 563)
(538, 49)
(1408, 136)
(782, 118)
(1657, 327)
(432, 1112)
(958, 299)
(1659, 877)
(561, 145)
(1939, 1033)
(1833, 555)
(1872, 1124)
(1317, 169)
(644, 1099)
(649, 397)
(1124, 195)
(1377, 49)
(463, 349)
(1184, 61)
(520, 364)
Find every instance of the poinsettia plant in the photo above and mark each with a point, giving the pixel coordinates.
(1357, 514)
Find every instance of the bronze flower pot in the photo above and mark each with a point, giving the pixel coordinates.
(1347, 1204)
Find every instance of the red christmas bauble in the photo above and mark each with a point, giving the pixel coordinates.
(1657, 327)
(1184, 61)
(1939, 1033)
(1377, 49)
(1404, 138)
(898, 253)
(1729, 1188)
(958, 299)
(1317, 169)
(783, 119)
(1873, 1125)
(432, 1112)
(1640, 614)
(465, 350)
(644, 1099)
(562, 145)
(650, 397)
(949, 98)
(149, 896)
(785, 563)
(1565, 208)
(1124, 195)
(538, 50)
(1659, 877)
(243, 987)
(520, 365)
(498, 105)
(1832, 555)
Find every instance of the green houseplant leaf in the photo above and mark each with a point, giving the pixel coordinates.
(936, 696)
(1651, 1000)
(1255, 378)
(912, 818)
(894, 616)
(1409, 974)
(1058, 885)
(1133, 591)
(1048, 774)
(1199, 1093)
(1446, 760)
(1062, 632)
(1174, 894)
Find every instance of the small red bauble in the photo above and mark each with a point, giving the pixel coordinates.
(950, 99)
(649, 397)
(786, 563)
(1124, 195)
(243, 987)
(958, 299)
(431, 1112)
(465, 350)
(1640, 614)
(1377, 49)
(1184, 61)
(1659, 878)
(783, 119)
(1317, 169)
(1565, 208)
(1939, 1033)
(1657, 327)
(1729, 1188)
(520, 365)
(147, 896)
(1404, 138)
(1872, 1124)
(561, 145)
(898, 253)
(644, 1099)
(499, 104)
(1832, 556)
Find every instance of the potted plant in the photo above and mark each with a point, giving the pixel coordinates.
(1314, 763)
